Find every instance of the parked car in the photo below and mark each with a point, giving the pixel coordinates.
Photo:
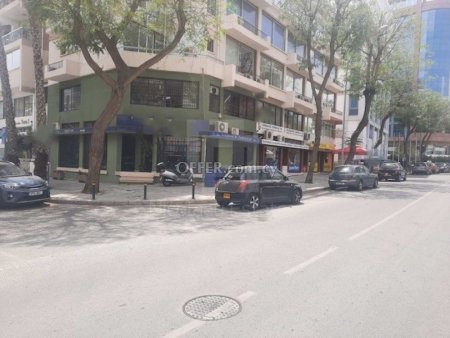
(443, 167)
(374, 164)
(392, 171)
(421, 168)
(252, 186)
(352, 176)
(19, 187)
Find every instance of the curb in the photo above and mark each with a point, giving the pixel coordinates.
(156, 202)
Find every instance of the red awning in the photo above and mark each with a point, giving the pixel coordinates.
(358, 150)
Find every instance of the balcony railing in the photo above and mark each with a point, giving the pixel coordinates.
(19, 33)
(339, 83)
(252, 28)
(55, 66)
(304, 98)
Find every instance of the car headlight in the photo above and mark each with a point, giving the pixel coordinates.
(11, 186)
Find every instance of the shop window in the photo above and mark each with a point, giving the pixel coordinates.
(69, 151)
(70, 98)
(86, 148)
(23, 106)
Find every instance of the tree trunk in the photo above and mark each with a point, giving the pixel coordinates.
(317, 136)
(423, 146)
(381, 131)
(11, 146)
(369, 95)
(40, 150)
(98, 139)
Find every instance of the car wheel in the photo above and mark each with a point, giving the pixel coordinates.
(253, 202)
(223, 203)
(375, 184)
(296, 196)
(397, 179)
(404, 178)
(360, 186)
(166, 182)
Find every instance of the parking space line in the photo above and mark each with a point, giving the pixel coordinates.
(365, 231)
(310, 261)
(197, 323)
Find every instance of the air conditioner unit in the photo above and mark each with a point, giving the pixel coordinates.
(57, 126)
(221, 126)
(214, 90)
(268, 135)
(234, 131)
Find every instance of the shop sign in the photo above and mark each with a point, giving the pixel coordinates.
(326, 146)
(283, 144)
(261, 127)
(22, 122)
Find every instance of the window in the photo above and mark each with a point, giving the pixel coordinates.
(274, 30)
(294, 47)
(319, 64)
(328, 98)
(143, 40)
(13, 59)
(292, 120)
(69, 151)
(294, 82)
(210, 46)
(214, 99)
(273, 71)
(70, 98)
(242, 56)
(353, 109)
(239, 105)
(246, 11)
(23, 106)
(165, 93)
(270, 114)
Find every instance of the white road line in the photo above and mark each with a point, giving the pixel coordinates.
(310, 261)
(363, 232)
(197, 323)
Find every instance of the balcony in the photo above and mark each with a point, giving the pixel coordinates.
(335, 86)
(62, 70)
(12, 9)
(244, 32)
(231, 78)
(16, 35)
(299, 103)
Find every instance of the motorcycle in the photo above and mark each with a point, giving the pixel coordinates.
(174, 173)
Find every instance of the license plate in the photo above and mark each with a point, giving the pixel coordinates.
(226, 196)
(35, 193)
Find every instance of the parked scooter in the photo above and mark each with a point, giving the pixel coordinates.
(174, 173)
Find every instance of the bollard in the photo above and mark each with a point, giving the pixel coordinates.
(93, 191)
(145, 191)
(193, 189)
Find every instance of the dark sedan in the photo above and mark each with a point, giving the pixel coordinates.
(392, 171)
(352, 176)
(252, 186)
(18, 187)
(421, 168)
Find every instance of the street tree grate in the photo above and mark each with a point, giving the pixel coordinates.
(212, 307)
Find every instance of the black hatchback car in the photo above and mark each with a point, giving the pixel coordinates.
(19, 187)
(392, 171)
(252, 186)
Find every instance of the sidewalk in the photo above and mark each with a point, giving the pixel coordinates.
(68, 192)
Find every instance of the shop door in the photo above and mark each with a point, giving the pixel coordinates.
(128, 152)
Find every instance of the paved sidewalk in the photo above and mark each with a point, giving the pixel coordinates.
(69, 192)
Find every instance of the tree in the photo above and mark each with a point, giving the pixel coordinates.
(368, 65)
(83, 26)
(327, 27)
(36, 20)
(12, 144)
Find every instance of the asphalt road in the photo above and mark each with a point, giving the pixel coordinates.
(342, 264)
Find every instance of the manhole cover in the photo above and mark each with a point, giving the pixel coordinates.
(212, 307)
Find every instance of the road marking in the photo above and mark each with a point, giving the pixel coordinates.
(197, 323)
(310, 261)
(365, 231)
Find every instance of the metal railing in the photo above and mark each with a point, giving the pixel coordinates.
(19, 33)
(304, 98)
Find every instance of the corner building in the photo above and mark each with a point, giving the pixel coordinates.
(243, 101)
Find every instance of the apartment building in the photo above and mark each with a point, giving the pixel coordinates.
(19, 55)
(243, 101)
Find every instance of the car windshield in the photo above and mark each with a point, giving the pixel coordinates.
(9, 169)
(343, 169)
